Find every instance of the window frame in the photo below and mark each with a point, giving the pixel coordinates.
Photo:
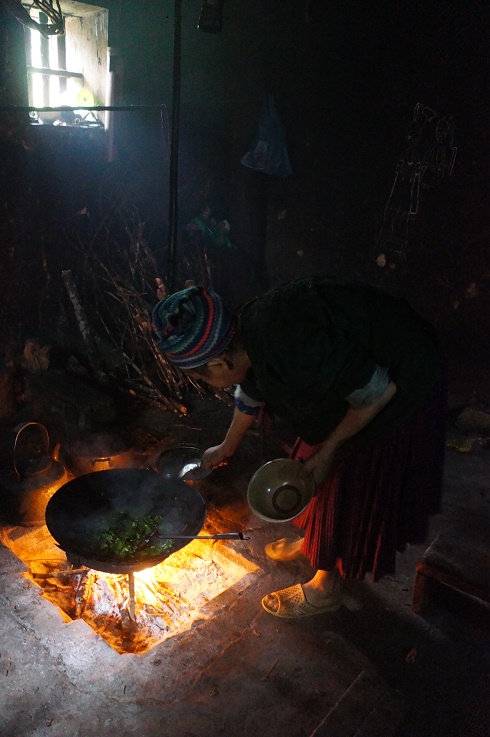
(52, 76)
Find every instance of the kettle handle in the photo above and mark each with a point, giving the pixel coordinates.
(15, 435)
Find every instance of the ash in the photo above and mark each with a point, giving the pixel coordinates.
(190, 584)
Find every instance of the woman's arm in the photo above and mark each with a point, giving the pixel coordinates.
(353, 422)
(239, 425)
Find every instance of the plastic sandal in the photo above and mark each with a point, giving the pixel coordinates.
(284, 550)
(294, 605)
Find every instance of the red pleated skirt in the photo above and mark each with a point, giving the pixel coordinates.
(381, 498)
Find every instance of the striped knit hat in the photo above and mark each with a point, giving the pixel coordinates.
(192, 327)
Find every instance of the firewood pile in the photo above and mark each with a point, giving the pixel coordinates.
(112, 299)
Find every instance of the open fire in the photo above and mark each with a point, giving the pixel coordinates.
(135, 612)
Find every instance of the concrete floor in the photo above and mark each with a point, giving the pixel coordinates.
(373, 668)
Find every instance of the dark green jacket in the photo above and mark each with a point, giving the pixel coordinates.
(315, 340)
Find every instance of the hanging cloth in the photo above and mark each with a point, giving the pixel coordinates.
(268, 151)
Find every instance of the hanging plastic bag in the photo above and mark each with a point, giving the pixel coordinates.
(268, 151)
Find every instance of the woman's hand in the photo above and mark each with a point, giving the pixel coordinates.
(319, 464)
(215, 456)
(354, 420)
(218, 455)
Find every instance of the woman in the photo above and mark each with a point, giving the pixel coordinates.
(358, 375)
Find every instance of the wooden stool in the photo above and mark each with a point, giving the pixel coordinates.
(459, 557)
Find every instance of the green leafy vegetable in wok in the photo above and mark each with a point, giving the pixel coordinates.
(127, 537)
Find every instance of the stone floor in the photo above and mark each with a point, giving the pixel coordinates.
(371, 669)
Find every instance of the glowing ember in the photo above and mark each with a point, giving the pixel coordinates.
(167, 599)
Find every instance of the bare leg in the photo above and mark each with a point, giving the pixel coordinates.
(322, 586)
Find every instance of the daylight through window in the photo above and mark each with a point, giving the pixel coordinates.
(68, 70)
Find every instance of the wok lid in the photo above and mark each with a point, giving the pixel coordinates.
(86, 509)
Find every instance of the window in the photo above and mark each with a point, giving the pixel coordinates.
(71, 69)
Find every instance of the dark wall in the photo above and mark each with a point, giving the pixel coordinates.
(346, 78)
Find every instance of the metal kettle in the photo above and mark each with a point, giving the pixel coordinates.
(28, 482)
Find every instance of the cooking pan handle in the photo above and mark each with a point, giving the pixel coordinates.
(224, 536)
(14, 436)
(220, 536)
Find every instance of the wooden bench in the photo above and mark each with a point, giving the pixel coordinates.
(459, 557)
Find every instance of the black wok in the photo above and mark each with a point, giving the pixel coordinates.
(83, 508)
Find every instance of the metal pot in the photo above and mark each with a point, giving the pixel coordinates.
(30, 478)
(84, 509)
(97, 451)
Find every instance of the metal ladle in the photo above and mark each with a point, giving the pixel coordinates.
(182, 463)
(194, 471)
